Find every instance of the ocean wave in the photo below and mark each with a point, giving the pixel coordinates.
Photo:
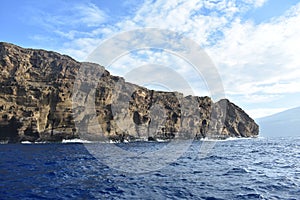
(83, 141)
(26, 142)
(228, 172)
(227, 139)
(76, 140)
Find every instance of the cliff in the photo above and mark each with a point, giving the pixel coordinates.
(44, 96)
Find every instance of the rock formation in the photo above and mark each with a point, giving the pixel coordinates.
(45, 96)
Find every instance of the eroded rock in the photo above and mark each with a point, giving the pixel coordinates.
(45, 96)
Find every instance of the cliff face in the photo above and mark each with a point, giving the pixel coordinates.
(38, 102)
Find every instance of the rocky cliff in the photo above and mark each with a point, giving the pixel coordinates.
(45, 96)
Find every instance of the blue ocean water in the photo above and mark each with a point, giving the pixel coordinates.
(237, 169)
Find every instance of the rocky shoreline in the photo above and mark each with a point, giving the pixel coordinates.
(42, 98)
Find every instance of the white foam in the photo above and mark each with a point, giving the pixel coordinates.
(227, 139)
(76, 140)
(238, 138)
(26, 142)
(161, 140)
(112, 142)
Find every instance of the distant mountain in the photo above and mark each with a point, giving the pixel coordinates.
(286, 123)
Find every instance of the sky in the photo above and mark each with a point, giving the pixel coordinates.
(254, 44)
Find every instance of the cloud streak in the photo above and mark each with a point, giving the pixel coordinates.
(257, 62)
(264, 56)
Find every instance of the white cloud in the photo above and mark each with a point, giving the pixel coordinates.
(263, 112)
(257, 3)
(142, 59)
(202, 21)
(90, 14)
(257, 62)
(80, 48)
(261, 59)
(78, 27)
(69, 21)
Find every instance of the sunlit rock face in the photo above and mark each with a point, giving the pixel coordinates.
(45, 96)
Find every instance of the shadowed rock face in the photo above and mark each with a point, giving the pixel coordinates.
(45, 96)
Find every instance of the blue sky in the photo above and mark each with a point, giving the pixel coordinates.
(253, 43)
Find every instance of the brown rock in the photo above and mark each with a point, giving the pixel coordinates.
(45, 96)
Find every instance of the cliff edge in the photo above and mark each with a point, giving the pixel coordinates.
(38, 102)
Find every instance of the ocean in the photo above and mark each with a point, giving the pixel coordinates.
(260, 168)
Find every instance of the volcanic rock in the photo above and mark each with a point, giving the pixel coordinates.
(46, 96)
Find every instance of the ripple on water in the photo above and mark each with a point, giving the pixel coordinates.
(246, 169)
(237, 171)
